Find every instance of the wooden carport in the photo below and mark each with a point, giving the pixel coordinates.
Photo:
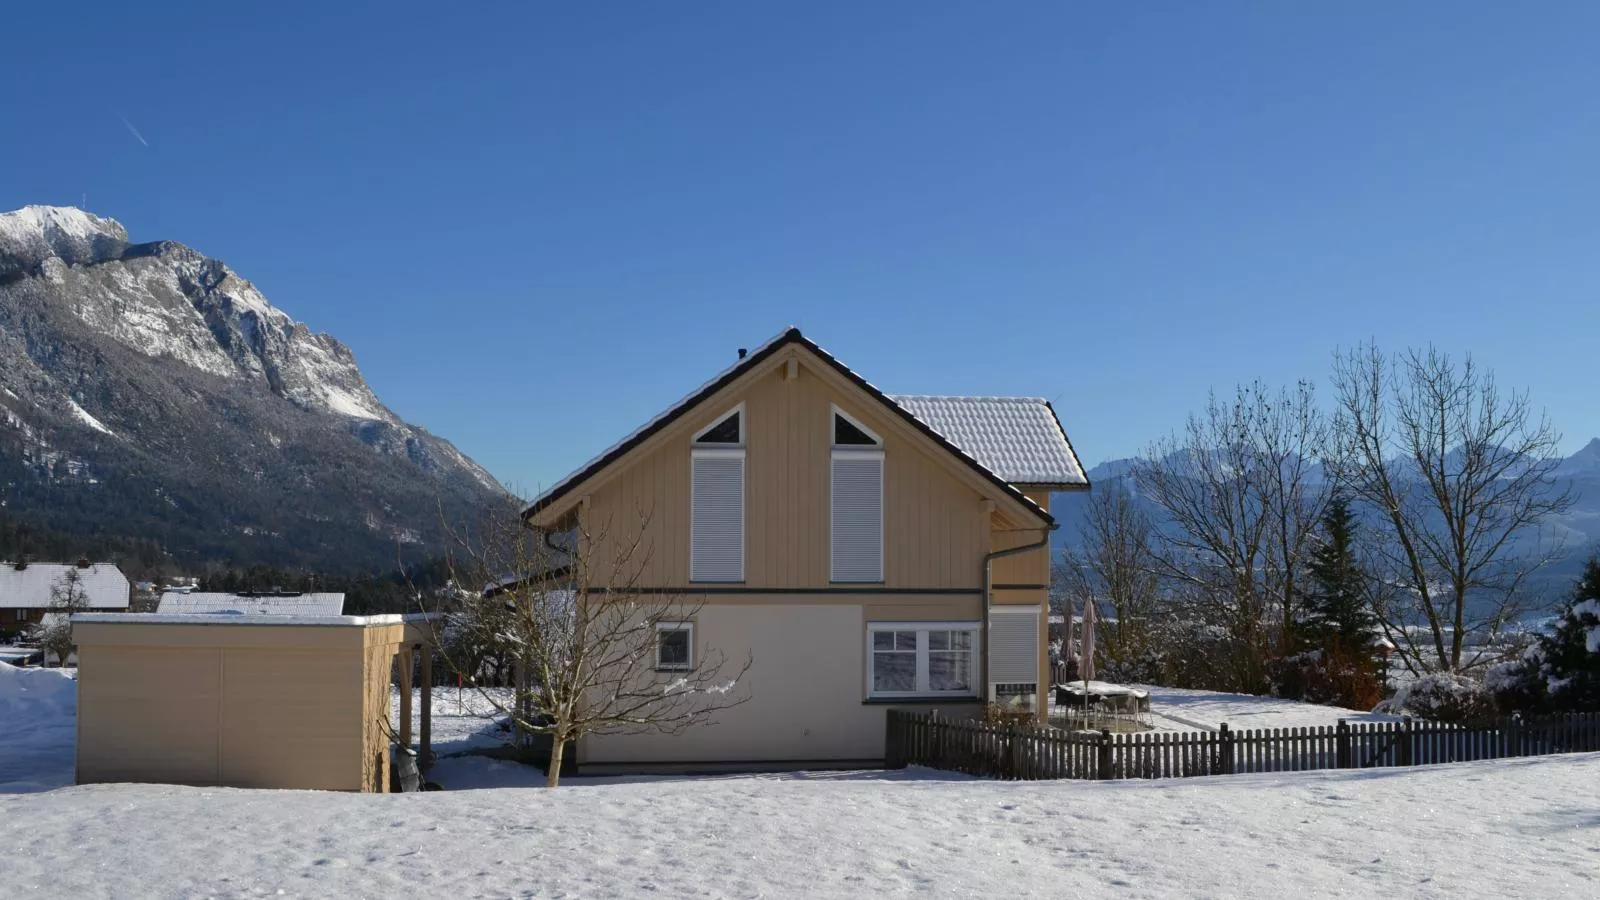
(257, 701)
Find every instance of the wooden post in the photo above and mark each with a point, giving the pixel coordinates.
(425, 756)
(1403, 743)
(1016, 754)
(1105, 754)
(1226, 753)
(1342, 753)
(403, 662)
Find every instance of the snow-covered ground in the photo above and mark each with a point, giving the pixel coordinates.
(463, 718)
(1526, 827)
(38, 728)
(1177, 709)
(1520, 828)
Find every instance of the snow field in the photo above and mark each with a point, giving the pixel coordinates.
(1507, 829)
(38, 729)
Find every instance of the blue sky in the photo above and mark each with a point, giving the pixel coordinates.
(537, 225)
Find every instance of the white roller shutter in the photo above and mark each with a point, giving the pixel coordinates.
(857, 529)
(1014, 645)
(716, 532)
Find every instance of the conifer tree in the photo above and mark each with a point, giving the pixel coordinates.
(1335, 600)
(1571, 664)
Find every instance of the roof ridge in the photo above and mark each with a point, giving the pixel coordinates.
(1021, 399)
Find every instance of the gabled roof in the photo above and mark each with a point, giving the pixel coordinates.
(184, 603)
(1018, 438)
(104, 586)
(727, 376)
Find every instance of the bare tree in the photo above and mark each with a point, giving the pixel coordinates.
(1458, 473)
(54, 631)
(1115, 568)
(598, 651)
(1243, 485)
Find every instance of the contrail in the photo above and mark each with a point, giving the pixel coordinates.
(132, 130)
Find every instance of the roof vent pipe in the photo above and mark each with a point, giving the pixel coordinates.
(743, 352)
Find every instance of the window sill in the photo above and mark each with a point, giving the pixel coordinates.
(921, 700)
(674, 670)
(857, 583)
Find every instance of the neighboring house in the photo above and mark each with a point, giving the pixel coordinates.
(867, 551)
(275, 603)
(25, 593)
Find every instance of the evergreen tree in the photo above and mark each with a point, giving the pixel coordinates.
(1336, 611)
(1571, 656)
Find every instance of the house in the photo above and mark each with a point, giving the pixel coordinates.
(260, 603)
(26, 589)
(868, 551)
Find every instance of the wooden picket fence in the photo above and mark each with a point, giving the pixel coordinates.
(1042, 752)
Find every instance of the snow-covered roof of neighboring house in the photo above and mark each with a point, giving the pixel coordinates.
(756, 357)
(1017, 438)
(104, 585)
(194, 603)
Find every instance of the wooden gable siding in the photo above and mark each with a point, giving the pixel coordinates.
(1031, 568)
(935, 532)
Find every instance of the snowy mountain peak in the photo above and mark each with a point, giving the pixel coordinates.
(68, 221)
(1585, 461)
(33, 234)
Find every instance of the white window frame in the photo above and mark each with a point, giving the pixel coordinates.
(856, 451)
(725, 451)
(853, 421)
(743, 428)
(920, 689)
(687, 627)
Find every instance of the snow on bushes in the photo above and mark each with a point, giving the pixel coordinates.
(1441, 696)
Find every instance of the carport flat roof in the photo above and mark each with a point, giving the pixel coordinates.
(238, 619)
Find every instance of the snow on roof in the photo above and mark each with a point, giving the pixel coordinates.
(104, 585)
(1017, 438)
(190, 603)
(158, 618)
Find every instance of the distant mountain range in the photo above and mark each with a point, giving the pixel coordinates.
(1578, 529)
(150, 391)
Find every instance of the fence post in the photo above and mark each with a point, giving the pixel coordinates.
(1342, 753)
(1404, 744)
(1226, 753)
(1014, 745)
(935, 751)
(891, 741)
(1105, 754)
(1514, 735)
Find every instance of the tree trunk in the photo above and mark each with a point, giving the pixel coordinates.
(558, 748)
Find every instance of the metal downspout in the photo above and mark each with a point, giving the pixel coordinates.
(988, 590)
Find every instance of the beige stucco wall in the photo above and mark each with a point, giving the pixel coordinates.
(243, 705)
(806, 684)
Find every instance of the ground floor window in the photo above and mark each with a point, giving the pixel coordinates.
(922, 658)
(674, 645)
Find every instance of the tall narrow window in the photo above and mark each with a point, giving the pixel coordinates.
(716, 487)
(857, 502)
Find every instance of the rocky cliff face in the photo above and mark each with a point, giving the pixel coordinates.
(147, 386)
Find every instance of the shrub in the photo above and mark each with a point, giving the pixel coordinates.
(1443, 697)
(1333, 677)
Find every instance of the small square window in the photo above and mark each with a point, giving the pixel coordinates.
(674, 645)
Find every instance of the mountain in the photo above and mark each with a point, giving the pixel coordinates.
(149, 391)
